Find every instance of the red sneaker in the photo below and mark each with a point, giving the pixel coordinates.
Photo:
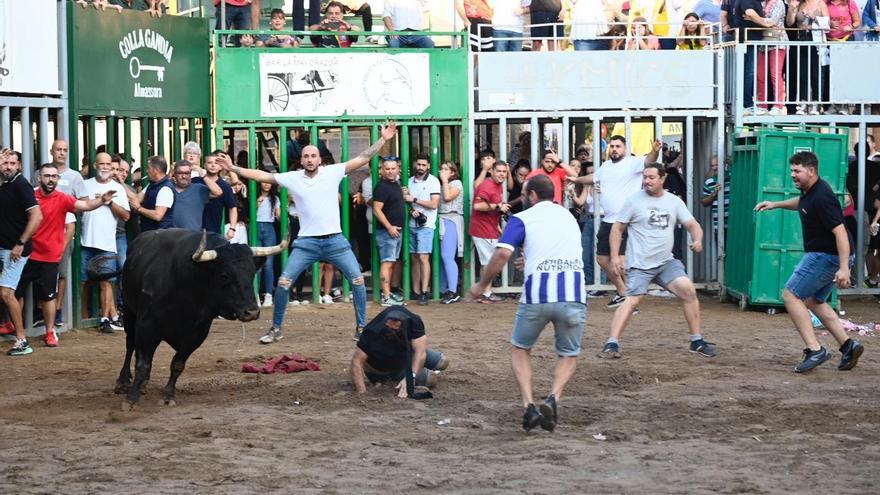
(6, 328)
(51, 338)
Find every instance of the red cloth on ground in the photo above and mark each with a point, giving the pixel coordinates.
(285, 363)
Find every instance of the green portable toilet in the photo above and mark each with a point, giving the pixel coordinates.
(763, 248)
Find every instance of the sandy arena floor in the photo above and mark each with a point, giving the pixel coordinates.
(673, 422)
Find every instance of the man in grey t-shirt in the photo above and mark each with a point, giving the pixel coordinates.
(649, 218)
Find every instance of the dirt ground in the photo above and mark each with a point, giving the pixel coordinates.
(673, 422)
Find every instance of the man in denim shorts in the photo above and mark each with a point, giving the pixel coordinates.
(554, 291)
(650, 217)
(390, 213)
(423, 195)
(826, 262)
(20, 217)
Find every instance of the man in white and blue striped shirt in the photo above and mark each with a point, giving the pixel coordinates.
(554, 292)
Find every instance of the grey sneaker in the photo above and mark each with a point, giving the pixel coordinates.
(812, 359)
(703, 348)
(272, 335)
(611, 350)
(358, 331)
(391, 301)
(850, 352)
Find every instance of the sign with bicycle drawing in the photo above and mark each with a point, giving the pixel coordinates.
(329, 84)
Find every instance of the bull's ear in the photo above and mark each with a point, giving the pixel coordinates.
(259, 261)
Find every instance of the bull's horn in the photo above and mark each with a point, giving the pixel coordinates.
(270, 250)
(203, 254)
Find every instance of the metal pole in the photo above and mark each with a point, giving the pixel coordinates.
(374, 251)
(435, 257)
(316, 267)
(536, 130)
(689, 191)
(404, 180)
(467, 191)
(5, 126)
(27, 143)
(346, 204)
(283, 196)
(253, 193)
(860, 210)
(110, 134)
(597, 162)
(177, 152)
(126, 140)
(161, 137)
(43, 134)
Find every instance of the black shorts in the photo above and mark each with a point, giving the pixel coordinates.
(43, 275)
(603, 247)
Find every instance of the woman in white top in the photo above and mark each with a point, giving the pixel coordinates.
(268, 212)
(451, 230)
(507, 24)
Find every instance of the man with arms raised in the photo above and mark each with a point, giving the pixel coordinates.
(826, 262)
(320, 236)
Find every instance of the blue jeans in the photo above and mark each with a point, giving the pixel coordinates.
(432, 361)
(421, 240)
(236, 18)
(813, 277)
(749, 78)
(388, 247)
(121, 256)
(410, 41)
(333, 249)
(568, 318)
(266, 237)
(580, 45)
(502, 44)
(588, 247)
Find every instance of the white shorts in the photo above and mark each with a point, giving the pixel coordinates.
(485, 248)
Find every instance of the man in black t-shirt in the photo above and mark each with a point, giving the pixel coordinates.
(390, 214)
(826, 262)
(395, 337)
(19, 220)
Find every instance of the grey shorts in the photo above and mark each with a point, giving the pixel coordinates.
(638, 280)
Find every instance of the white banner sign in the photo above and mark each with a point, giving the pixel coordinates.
(29, 46)
(325, 85)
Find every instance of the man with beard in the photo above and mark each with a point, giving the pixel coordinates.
(556, 170)
(48, 243)
(423, 195)
(826, 262)
(395, 337)
(651, 216)
(99, 238)
(20, 218)
(191, 197)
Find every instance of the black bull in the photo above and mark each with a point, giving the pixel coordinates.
(174, 283)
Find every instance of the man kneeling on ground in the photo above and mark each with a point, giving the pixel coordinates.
(382, 352)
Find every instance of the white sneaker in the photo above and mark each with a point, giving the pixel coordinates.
(267, 300)
(304, 302)
(272, 335)
(760, 111)
(843, 110)
(801, 110)
(814, 110)
(327, 299)
(295, 302)
(777, 111)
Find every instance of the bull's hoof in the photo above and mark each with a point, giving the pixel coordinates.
(167, 402)
(121, 388)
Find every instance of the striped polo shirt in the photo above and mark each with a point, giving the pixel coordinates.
(551, 242)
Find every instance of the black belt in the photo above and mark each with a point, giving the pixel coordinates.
(325, 236)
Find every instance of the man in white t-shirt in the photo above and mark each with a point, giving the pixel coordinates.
(651, 217)
(99, 239)
(405, 15)
(617, 179)
(554, 292)
(320, 235)
(423, 194)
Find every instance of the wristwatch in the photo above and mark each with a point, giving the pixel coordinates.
(19, 243)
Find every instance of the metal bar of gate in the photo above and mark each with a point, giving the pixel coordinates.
(110, 135)
(597, 161)
(345, 204)
(860, 208)
(27, 142)
(689, 191)
(435, 252)
(283, 195)
(160, 138)
(405, 141)
(43, 135)
(5, 128)
(253, 193)
(176, 151)
(316, 267)
(126, 142)
(374, 251)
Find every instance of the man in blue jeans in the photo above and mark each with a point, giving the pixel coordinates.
(238, 16)
(320, 235)
(554, 292)
(826, 262)
(395, 337)
(405, 15)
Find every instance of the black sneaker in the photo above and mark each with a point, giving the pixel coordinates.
(423, 299)
(117, 325)
(703, 348)
(849, 354)
(357, 333)
(105, 327)
(531, 418)
(451, 297)
(611, 350)
(548, 413)
(812, 359)
(616, 301)
(596, 293)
